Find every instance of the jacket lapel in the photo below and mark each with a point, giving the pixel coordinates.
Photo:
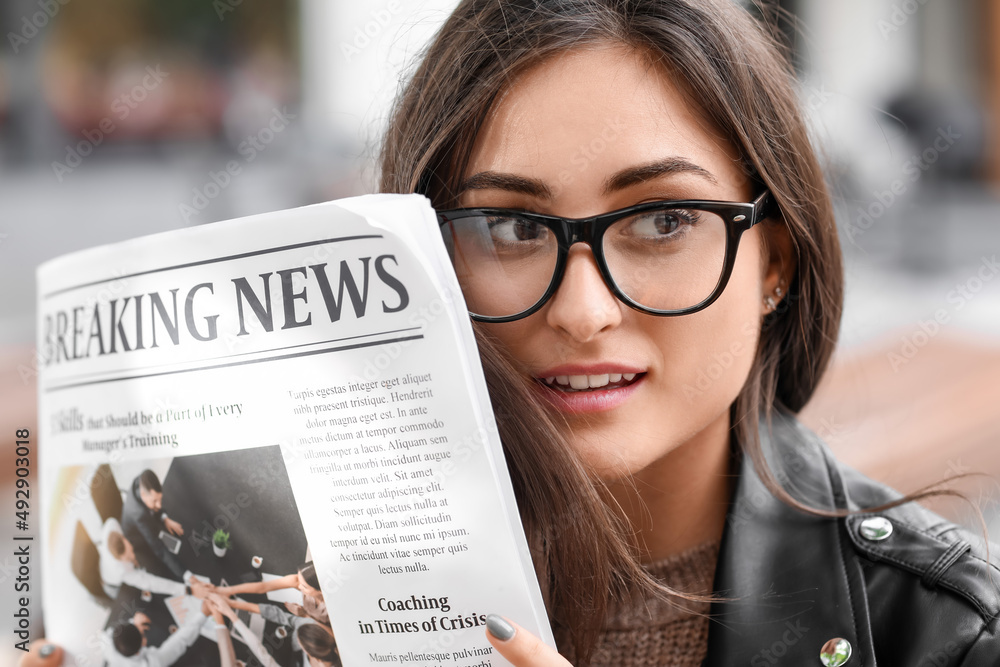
(795, 577)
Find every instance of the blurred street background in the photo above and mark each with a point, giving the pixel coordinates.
(118, 118)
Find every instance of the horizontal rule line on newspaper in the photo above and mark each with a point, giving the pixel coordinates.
(104, 375)
(245, 362)
(213, 260)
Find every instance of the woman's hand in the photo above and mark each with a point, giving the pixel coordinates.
(209, 608)
(200, 589)
(519, 646)
(42, 653)
(220, 603)
(296, 609)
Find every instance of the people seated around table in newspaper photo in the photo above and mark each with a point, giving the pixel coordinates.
(125, 643)
(143, 519)
(119, 565)
(305, 580)
(314, 640)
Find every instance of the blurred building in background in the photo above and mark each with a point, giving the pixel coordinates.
(120, 118)
(904, 97)
(125, 117)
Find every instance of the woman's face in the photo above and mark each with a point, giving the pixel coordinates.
(584, 133)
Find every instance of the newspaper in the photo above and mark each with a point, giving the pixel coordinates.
(259, 404)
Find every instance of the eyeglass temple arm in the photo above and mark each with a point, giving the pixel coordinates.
(764, 206)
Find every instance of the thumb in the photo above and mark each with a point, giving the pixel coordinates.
(520, 647)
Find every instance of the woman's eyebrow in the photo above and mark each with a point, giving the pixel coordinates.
(494, 180)
(645, 172)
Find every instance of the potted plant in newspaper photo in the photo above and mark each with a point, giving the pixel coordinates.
(220, 542)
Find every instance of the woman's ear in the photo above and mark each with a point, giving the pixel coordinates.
(779, 263)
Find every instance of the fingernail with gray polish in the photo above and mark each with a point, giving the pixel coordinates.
(499, 627)
(46, 650)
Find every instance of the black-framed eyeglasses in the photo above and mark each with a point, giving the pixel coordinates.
(664, 258)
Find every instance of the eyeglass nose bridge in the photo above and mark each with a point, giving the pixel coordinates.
(579, 231)
(584, 230)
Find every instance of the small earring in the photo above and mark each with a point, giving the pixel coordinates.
(769, 302)
(779, 291)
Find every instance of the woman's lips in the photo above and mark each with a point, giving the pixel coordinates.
(592, 392)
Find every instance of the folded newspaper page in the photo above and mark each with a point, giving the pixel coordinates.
(269, 439)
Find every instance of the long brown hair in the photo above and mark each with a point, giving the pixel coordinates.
(733, 66)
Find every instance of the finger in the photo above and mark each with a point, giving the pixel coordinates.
(42, 653)
(520, 647)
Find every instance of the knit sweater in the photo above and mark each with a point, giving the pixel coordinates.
(647, 632)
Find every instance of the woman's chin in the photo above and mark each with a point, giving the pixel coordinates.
(607, 461)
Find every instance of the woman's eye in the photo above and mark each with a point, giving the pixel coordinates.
(513, 230)
(660, 223)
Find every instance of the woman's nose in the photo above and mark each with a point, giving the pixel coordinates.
(583, 306)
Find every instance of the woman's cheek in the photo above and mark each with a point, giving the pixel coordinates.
(720, 351)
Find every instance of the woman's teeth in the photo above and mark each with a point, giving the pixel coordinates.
(582, 382)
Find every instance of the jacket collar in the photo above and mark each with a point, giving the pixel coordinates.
(793, 574)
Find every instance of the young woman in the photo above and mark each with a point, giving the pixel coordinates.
(643, 233)
(658, 283)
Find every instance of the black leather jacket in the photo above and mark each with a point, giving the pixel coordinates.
(922, 595)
